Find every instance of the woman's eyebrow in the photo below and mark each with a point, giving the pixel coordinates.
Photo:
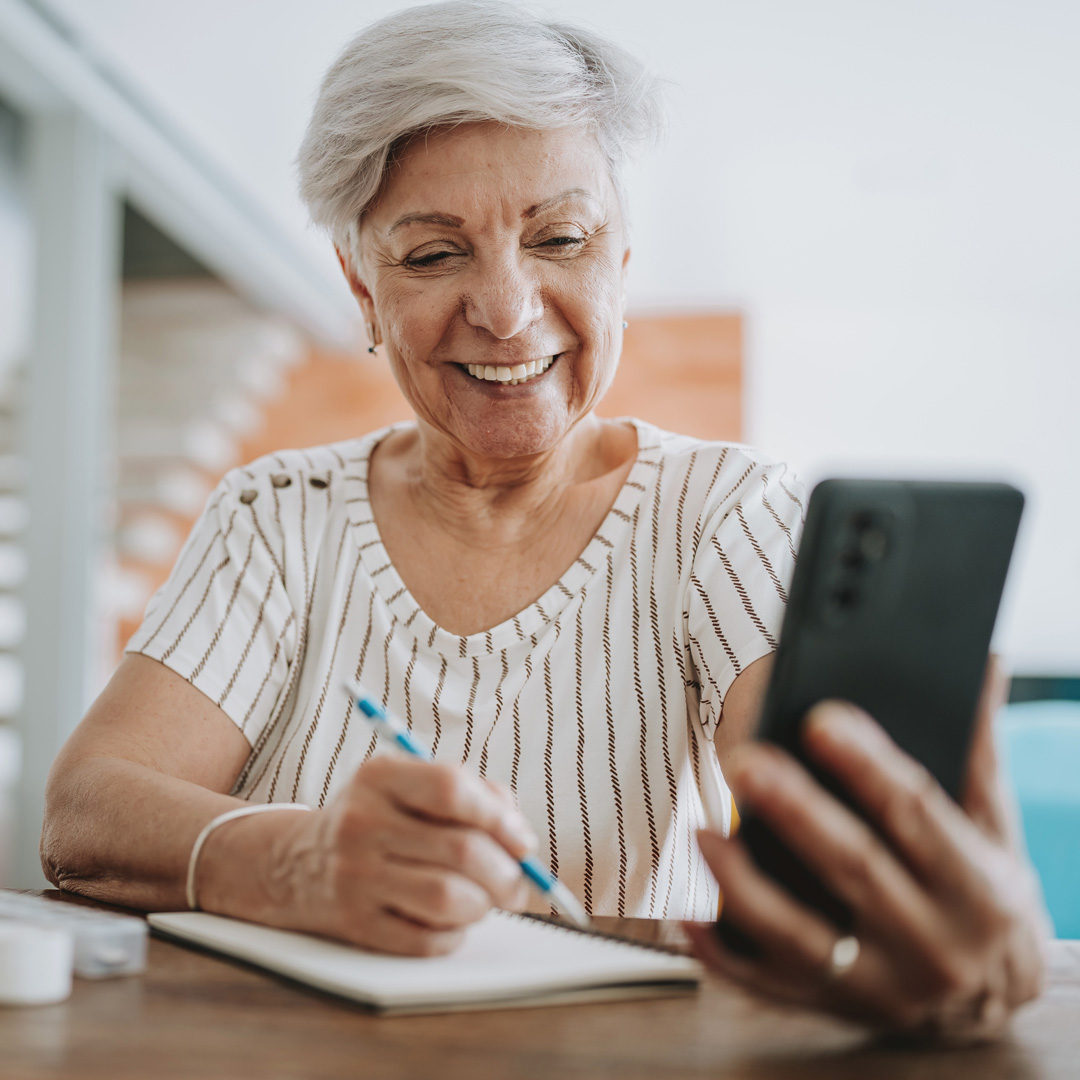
(570, 193)
(431, 218)
(453, 222)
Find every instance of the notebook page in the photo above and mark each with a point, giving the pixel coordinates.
(503, 957)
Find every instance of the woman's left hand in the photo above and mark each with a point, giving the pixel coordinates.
(947, 915)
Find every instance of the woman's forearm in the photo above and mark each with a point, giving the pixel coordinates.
(405, 856)
(122, 832)
(134, 785)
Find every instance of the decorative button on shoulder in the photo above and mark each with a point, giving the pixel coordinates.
(318, 481)
(248, 496)
(281, 480)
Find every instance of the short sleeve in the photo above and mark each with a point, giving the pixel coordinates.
(739, 582)
(223, 620)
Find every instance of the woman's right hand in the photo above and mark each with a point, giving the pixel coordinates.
(402, 860)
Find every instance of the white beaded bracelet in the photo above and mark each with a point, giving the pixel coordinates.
(210, 826)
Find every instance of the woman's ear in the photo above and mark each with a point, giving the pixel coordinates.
(362, 294)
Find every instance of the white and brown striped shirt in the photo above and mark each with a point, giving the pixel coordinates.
(597, 703)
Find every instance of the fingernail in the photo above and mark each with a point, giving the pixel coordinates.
(754, 776)
(510, 873)
(519, 833)
(837, 720)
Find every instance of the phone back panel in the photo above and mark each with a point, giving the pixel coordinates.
(892, 606)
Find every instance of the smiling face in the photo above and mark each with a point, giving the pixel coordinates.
(492, 269)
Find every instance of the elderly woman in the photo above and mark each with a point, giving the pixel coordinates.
(574, 613)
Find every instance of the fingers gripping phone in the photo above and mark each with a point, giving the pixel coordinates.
(892, 607)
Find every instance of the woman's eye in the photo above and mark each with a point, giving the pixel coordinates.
(431, 258)
(563, 241)
(559, 246)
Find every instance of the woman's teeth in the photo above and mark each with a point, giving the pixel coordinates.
(519, 373)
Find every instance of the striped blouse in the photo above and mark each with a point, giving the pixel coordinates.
(597, 703)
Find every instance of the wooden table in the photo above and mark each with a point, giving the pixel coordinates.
(194, 1015)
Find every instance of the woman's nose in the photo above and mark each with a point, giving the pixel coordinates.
(504, 300)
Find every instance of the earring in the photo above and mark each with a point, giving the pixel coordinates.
(371, 349)
(371, 337)
(625, 324)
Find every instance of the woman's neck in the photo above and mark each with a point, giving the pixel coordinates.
(475, 543)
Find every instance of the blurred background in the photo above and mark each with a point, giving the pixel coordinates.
(858, 248)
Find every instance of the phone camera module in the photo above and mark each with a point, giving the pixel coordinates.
(862, 542)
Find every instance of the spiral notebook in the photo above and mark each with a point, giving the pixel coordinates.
(506, 961)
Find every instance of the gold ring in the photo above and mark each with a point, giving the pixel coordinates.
(843, 957)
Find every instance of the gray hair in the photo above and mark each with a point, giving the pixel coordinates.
(457, 62)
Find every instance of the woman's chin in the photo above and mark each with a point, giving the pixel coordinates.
(517, 437)
(527, 421)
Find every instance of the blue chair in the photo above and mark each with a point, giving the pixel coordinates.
(1039, 745)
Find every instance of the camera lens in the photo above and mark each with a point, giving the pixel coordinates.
(851, 558)
(845, 597)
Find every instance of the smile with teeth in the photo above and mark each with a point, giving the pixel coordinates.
(519, 373)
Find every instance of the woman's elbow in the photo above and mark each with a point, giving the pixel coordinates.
(67, 827)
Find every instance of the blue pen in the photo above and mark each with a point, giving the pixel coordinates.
(559, 895)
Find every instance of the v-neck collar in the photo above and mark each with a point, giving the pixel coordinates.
(528, 622)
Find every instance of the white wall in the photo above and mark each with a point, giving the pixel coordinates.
(886, 187)
(897, 190)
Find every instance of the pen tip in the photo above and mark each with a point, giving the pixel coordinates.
(569, 905)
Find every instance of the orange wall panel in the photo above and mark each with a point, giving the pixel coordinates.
(683, 373)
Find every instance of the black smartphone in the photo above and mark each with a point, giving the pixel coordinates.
(892, 607)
